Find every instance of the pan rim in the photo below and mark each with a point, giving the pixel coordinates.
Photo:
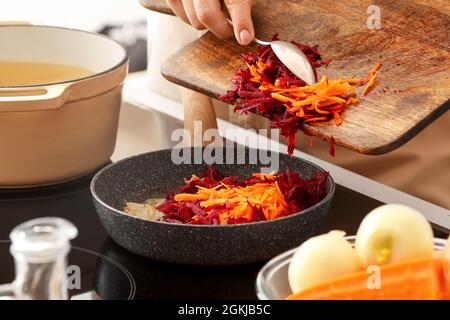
(97, 198)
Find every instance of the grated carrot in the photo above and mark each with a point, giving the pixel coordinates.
(266, 196)
(370, 84)
(322, 101)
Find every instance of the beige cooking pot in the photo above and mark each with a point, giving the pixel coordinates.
(55, 132)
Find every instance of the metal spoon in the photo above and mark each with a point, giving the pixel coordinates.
(292, 57)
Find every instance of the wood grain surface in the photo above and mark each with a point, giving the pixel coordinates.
(413, 44)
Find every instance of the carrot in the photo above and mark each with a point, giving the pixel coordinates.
(440, 263)
(417, 279)
(337, 119)
(318, 110)
(261, 66)
(282, 98)
(315, 119)
(370, 84)
(265, 195)
(301, 112)
(255, 72)
(322, 101)
(372, 72)
(351, 101)
(263, 176)
(187, 197)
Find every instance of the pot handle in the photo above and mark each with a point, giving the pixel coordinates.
(32, 98)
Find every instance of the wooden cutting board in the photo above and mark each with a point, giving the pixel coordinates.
(413, 45)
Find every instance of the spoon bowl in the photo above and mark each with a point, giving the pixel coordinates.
(292, 57)
(295, 60)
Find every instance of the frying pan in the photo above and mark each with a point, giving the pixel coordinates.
(152, 175)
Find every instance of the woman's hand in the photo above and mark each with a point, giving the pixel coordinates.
(207, 14)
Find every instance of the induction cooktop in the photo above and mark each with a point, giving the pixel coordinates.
(110, 272)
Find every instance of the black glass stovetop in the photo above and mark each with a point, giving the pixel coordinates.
(114, 273)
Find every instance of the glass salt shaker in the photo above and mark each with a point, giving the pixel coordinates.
(40, 249)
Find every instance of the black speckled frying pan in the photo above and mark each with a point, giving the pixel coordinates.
(153, 174)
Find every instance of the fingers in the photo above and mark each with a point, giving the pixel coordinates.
(240, 13)
(192, 15)
(209, 13)
(203, 14)
(184, 9)
(178, 9)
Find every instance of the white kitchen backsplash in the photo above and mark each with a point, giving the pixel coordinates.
(81, 14)
(166, 35)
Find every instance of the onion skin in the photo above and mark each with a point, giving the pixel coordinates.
(393, 233)
(321, 258)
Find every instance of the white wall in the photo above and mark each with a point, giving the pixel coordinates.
(81, 14)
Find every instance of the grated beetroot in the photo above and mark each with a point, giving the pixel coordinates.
(298, 193)
(246, 96)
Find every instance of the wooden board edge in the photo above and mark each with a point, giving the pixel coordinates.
(313, 130)
(412, 132)
(394, 144)
(185, 84)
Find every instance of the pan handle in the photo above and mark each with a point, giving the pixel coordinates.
(39, 98)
